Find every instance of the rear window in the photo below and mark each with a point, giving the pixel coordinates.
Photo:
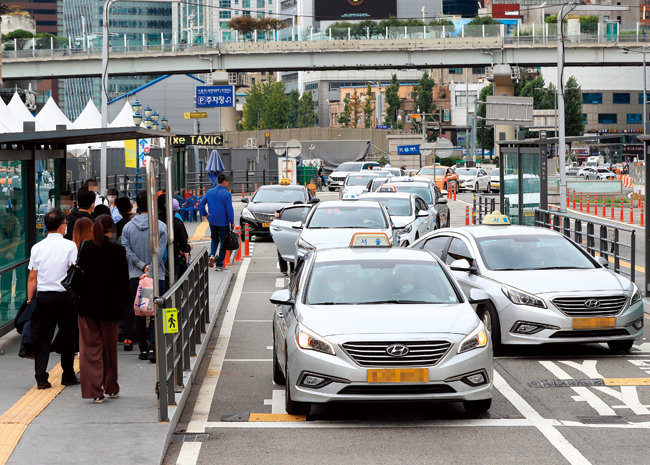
(422, 191)
(352, 216)
(349, 167)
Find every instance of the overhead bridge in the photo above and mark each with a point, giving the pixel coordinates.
(315, 55)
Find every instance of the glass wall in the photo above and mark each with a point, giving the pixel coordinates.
(529, 172)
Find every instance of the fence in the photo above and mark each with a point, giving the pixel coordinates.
(199, 182)
(483, 205)
(616, 244)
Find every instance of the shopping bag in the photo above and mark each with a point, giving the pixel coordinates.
(143, 304)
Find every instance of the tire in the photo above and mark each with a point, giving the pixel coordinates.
(278, 376)
(331, 189)
(477, 406)
(292, 407)
(620, 346)
(475, 189)
(488, 188)
(488, 315)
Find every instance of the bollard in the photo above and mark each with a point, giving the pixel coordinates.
(568, 198)
(467, 215)
(574, 199)
(246, 241)
(255, 187)
(580, 202)
(642, 209)
(604, 205)
(588, 202)
(596, 206)
(226, 261)
(612, 204)
(622, 210)
(631, 212)
(243, 191)
(238, 256)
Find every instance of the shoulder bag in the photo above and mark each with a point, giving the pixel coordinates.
(75, 280)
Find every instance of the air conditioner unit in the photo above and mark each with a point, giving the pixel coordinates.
(251, 142)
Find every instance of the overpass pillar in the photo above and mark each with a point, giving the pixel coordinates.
(228, 119)
(503, 87)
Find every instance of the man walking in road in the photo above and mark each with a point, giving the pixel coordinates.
(48, 265)
(221, 217)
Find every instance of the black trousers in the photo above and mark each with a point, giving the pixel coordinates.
(52, 311)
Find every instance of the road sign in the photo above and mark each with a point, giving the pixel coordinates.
(215, 96)
(170, 316)
(200, 139)
(511, 111)
(382, 126)
(443, 147)
(195, 115)
(294, 148)
(144, 147)
(445, 115)
(408, 150)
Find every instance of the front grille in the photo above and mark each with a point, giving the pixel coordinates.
(576, 306)
(590, 333)
(264, 217)
(380, 390)
(370, 354)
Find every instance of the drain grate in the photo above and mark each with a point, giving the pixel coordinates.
(189, 437)
(613, 420)
(236, 417)
(555, 383)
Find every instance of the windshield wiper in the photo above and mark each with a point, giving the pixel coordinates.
(395, 301)
(561, 268)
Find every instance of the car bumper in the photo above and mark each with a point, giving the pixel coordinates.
(335, 183)
(469, 185)
(348, 381)
(255, 228)
(559, 327)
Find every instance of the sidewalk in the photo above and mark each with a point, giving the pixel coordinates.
(72, 430)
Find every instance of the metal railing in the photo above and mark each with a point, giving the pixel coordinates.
(616, 244)
(199, 181)
(483, 205)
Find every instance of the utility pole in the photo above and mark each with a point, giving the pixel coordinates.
(560, 105)
(474, 122)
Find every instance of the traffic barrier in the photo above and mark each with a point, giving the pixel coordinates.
(604, 208)
(622, 210)
(226, 261)
(574, 199)
(612, 205)
(255, 187)
(588, 202)
(581, 202)
(246, 241)
(596, 206)
(467, 215)
(243, 191)
(238, 256)
(642, 211)
(631, 212)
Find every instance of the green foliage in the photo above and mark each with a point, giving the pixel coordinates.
(449, 161)
(480, 20)
(17, 34)
(484, 136)
(293, 100)
(344, 118)
(275, 104)
(424, 95)
(247, 24)
(254, 107)
(355, 109)
(383, 160)
(268, 107)
(393, 101)
(368, 107)
(589, 24)
(573, 121)
(306, 112)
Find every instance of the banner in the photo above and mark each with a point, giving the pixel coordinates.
(130, 153)
(333, 10)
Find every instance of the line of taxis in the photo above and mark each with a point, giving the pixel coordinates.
(365, 320)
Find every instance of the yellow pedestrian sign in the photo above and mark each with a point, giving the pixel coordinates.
(171, 320)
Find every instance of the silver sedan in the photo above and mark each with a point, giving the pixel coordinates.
(543, 287)
(378, 324)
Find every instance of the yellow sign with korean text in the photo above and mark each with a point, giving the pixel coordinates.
(171, 320)
(131, 153)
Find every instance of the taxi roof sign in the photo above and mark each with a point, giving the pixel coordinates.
(370, 239)
(349, 196)
(387, 188)
(285, 182)
(496, 218)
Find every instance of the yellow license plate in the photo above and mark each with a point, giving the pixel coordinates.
(401, 375)
(266, 225)
(593, 323)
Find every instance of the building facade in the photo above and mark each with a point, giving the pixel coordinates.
(44, 12)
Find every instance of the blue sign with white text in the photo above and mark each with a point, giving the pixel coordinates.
(215, 96)
(382, 126)
(408, 150)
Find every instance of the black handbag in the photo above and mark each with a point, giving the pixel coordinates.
(231, 241)
(75, 279)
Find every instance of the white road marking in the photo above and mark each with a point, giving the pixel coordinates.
(544, 426)
(643, 365)
(279, 282)
(277, 401)
(189, 453)
(206, 393)
(269, 347)
(258, 292)
(248, 360)
(488, 422)
(253, 321)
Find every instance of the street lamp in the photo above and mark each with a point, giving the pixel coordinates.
(164, 123)
(148, 112)
(148, 122)
(137, 106)
(155, 116)
(137, 118)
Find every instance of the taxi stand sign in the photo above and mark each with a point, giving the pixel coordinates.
(496, 218)
(370, 239)
(171, 320)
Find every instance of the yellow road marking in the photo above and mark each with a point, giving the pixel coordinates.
(15, 421)
(627, 381)
(201, 230)
(275, 417)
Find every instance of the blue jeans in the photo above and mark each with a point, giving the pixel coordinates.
(218, 235)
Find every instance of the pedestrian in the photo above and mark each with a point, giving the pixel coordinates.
(48, 265)
(221, 217)
(124, 207)
(85, 206)
(101, 307)
(99, 210)
(135, 239)
(181, 245)
(127, 327)
(111, 196)
(321, 174)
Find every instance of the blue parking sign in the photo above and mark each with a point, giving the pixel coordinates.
(215, 96)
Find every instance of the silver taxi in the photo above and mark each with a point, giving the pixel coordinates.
(378, 324)
(543, 287)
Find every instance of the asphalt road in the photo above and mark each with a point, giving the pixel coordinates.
(551, 404)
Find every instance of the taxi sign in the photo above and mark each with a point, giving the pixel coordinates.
(496, 218)
(171, 320)
(387, 188)
(285, 182)
(370, 239)
(349, 196)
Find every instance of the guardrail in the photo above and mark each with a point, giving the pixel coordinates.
(483, 205)
(617, 244)
(250, 180)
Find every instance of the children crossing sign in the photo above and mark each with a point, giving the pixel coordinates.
(170, 316)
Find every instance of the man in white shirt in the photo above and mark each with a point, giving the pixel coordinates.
(48, 265)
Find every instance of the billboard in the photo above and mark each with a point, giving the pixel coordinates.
(334, 10)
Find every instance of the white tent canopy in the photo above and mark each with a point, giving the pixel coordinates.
(20, 112)
(89, 118)
(51, 116)
(7, 121)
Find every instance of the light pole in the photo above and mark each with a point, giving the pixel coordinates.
(560, 103)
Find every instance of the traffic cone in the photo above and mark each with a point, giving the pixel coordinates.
(238, 256)
(226, 261)
(246, 241)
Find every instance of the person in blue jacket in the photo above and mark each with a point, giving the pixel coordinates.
(221, 217)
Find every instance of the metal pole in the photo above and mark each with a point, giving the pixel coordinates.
(645, 99)
(102, 159)
(170, 214)
(474, 121)
(424, 140)
(560, 104)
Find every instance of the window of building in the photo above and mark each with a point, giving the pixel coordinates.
(246, 13)
(463, 100)
(647, 98)
(246, 3)
(480, 70)
(225, 14)
(224, 3)
(260, 3)
(311, 86)
(621, 97)
(260, 14)
(226, 36)
(592, 97)
(634, 118)
(607, 118)
(223, 24)
(455, 70)
(584, 118)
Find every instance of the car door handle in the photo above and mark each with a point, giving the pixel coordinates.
(280, 314)
(275, 228)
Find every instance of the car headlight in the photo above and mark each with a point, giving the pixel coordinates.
(522, 298)
(304, 245)
(309, 340)
(405, 230)
(474, 340)
(246, 213)
(636, 294)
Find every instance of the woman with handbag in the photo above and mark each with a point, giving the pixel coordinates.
(101, 307)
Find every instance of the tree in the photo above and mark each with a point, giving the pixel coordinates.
(368, 107)
(306, 112)
(485, 135)
(573, 121)
(253, 108)
(17, 34)
(344, 118)
(293, 100)
(480, 20)
(269, 24)
(393, 101)
(275, 104)
(243, 24)
(424, 95)
(355, 109)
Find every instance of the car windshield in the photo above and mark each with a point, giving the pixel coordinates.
(428, 170)
(422, 191)
(358, 179)
(279, 196)
(352, 216)
(349, 167)
(376, 183)
(466, 171)
(395, 206)
(494, 172)
(376, 282)
(603, 170)
(529, 252)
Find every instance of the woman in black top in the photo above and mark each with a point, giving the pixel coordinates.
(101, 307)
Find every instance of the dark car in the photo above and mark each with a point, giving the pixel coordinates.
(266, 201)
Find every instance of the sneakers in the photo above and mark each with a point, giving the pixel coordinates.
(211, 261)
(98, 400)
(128, 345)
(219, 268)
(143, 355)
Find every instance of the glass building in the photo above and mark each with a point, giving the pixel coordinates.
(465, 8)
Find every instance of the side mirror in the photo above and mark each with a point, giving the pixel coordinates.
(245, 200)
(603, 262)
(282, 297)
(441, 200)
(422, 214)
(443, 193)
(478, 296)
(462, 265)
(297, 225)
(314, 200)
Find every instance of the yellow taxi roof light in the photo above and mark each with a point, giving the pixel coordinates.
(387, 188)
(285, 182)
(496, 218)
(370, 239)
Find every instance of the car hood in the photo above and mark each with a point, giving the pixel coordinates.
(569, 281)
(334, 237)
(465, 177)
(332, 320)
(270, 207)
(354, 189)
(402, 221)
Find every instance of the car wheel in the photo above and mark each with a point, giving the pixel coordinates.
(475, 188)
(620, 346)
(292, 407)
(278, 376)
(331, 189)
(404, 244)
(488, 315)
(488, 188)
(477, 406)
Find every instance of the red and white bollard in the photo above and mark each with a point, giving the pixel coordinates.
(238, 256)
(622, 210)
(246, 241)
(596, 206)
(467, 215)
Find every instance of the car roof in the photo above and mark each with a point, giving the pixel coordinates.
(387, 195)
(410, 183)
(347, 203)
(368, 173)
(399, 254)
(481, 231)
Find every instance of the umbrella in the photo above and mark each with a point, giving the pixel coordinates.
(214, 167)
